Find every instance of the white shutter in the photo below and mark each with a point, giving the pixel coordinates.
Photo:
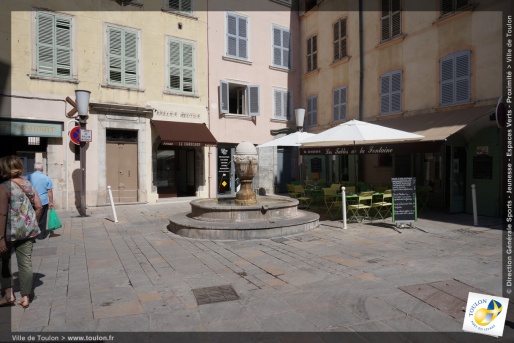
(45, 44)
(231, 35)
(308, 121)
(242, 27)
(286, 48)
(342, 102)
(188, 67)
(130, 58)
(447, 80)
(253, 101)
(175, 66)
(315, 110)
(114, 55)
(462, 79)
(277, 47)
(224, 97)
(279, 113)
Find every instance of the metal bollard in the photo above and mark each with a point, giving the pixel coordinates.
(474, 199)
(112, 204)
(343, 199)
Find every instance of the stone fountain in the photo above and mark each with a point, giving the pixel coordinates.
(246, 216)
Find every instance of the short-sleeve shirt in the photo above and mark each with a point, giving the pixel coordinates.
(42, 184)
(21, 218)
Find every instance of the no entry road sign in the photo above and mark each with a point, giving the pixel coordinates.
(75, 135)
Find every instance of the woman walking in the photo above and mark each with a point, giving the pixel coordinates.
(20, 209)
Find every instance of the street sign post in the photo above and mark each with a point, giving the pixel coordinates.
(75, 135)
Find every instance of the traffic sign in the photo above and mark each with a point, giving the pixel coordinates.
(86, 136)
(75, 135)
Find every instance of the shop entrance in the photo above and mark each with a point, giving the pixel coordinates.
(175, 172)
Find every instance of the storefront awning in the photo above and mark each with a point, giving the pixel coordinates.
(185, 134)
(435, 127)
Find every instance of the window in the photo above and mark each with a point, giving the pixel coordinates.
(312, 54)
(391, 19)
(237, 36)
(340, 40)
(122, 57)
(312, 111)
(179, 6)
(181, 70)
(239, 99)
(455, 78)
(391, 92)
(340, 104)
(281, 47)
(53, 45)
(452, 6)
(282, 104)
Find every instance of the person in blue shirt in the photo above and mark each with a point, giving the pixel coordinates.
(43, 185)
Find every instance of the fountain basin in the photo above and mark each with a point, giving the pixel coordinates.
(271, 216)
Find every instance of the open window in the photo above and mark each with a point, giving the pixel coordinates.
(239, 99)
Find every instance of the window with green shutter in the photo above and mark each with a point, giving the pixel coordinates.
(282, 104)
(184, 6)
(455, 78)
(281, 47)
(53, 45)
(340, 50)
(181, 66)
(339, 107)
(122, 57)
(237, 36)
(238, 99)
(391, 92)
(311, 118)
(391, 19)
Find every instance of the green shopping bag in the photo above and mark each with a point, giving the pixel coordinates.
(53, 221)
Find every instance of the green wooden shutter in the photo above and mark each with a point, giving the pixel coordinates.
(115, 55)
(130, 44)
(175, 66)
(63, 49)
(45, 44)
(188, 67)
(253, 101)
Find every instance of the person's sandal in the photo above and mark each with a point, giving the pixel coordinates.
(9, 302)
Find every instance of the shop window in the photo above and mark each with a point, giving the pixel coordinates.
(385, 160)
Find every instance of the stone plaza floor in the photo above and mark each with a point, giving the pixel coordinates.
(98, 276)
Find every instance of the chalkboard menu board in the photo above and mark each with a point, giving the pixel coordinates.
(404, 199)
(316, 165)
(483, 167)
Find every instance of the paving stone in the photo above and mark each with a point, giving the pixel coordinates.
(127, 323)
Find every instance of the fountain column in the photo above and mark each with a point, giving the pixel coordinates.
(246, 162)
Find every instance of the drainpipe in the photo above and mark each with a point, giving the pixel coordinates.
(361, 60)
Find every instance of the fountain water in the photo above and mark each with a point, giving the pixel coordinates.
(247, 216)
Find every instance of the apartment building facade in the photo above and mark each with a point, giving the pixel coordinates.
(254, 87)
(144, 63)
(434, 69)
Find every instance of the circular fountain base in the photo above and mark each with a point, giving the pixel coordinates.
(271, 216)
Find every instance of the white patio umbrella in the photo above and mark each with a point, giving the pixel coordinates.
(292, 139)
(358, 132)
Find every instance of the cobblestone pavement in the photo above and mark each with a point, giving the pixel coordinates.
(99, 276)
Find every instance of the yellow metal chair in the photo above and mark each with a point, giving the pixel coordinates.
(303, 198)
(360, 210)
(383, 206)
(291, 191)
(332, 201)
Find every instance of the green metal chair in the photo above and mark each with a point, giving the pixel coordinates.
(383, 207)
(360, 210)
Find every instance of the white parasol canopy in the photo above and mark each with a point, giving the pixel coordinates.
(355, 131)
(292, 139)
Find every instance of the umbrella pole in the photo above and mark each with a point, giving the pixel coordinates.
(355, 166)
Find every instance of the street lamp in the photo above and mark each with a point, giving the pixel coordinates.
(300, 116)
(82, 99)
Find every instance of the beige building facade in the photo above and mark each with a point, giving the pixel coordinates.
(144, 63)
(434, 69)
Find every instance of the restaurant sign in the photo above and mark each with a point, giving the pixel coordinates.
(30, 128)
(399, 148)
